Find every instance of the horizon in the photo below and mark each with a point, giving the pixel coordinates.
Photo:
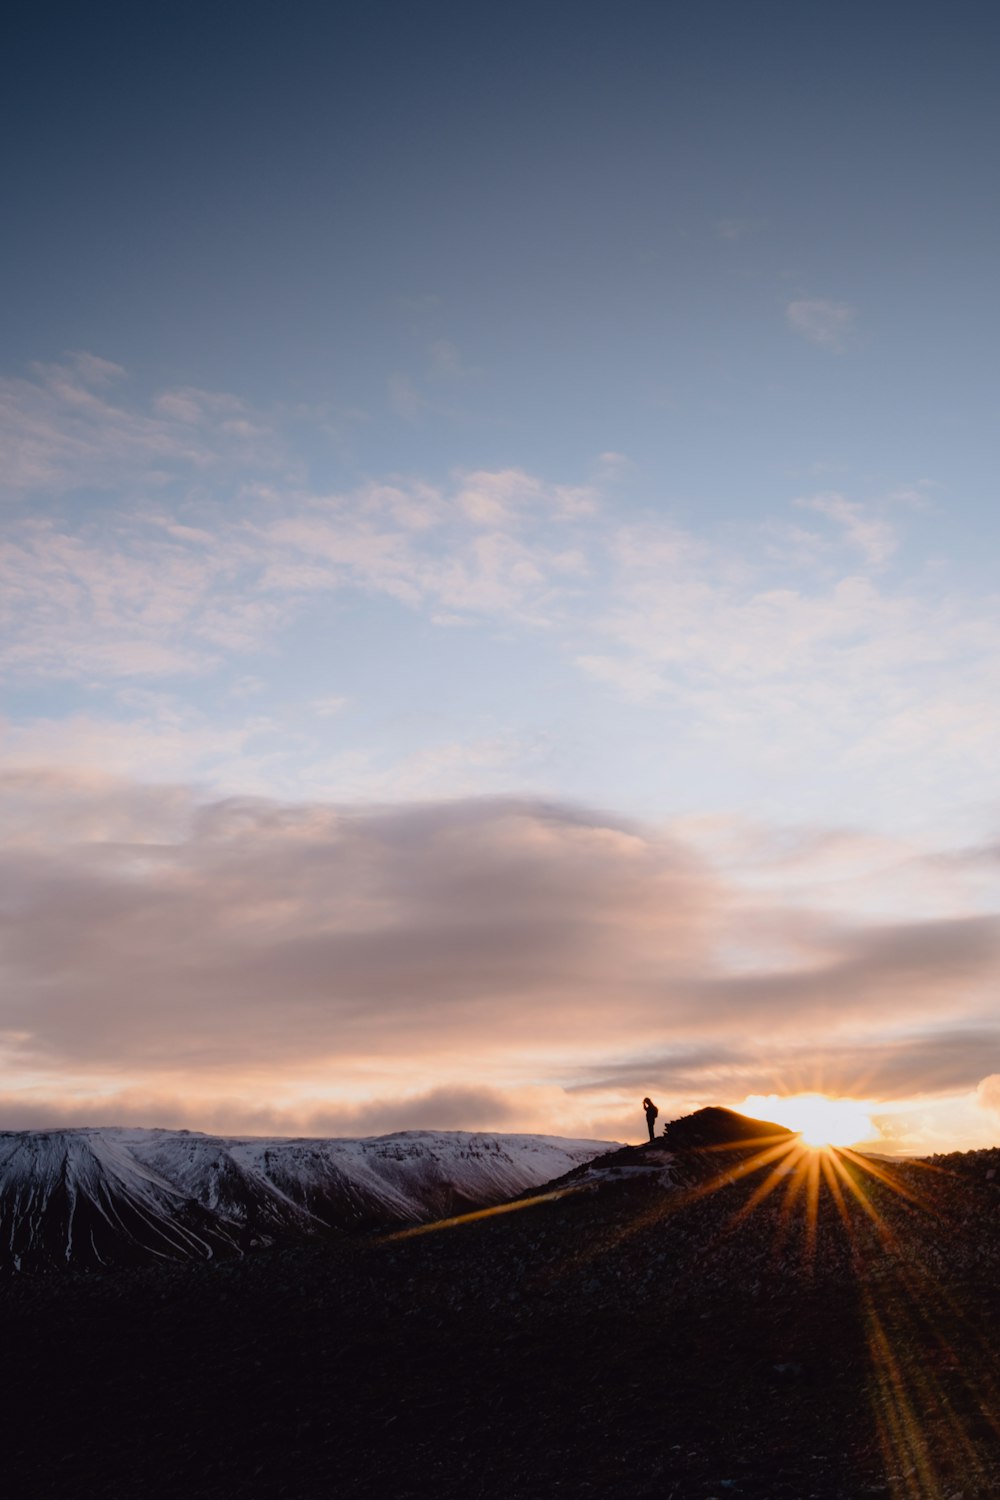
(856, 1147)
(498, 586)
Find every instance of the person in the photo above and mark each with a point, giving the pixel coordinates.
(651, 1114)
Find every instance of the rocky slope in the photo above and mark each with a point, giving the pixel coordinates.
(655, 1327)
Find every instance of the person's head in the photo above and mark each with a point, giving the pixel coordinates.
(647, 1103)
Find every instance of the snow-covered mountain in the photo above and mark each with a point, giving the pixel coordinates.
(102, 1197)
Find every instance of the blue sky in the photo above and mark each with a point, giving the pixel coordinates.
(572, 413)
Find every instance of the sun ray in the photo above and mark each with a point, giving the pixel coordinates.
(764, 1189)
(778, 1138)
(812, 1202)
(739, 1170)
(888, 1179)
(859, 1194)
(933, 1373)
(836, 1191)
(457, 1221)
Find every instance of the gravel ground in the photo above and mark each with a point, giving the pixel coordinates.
(633, 1341)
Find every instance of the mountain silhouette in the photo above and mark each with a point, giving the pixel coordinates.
(720, 1127)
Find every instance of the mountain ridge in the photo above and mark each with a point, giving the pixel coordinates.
(90, 1197)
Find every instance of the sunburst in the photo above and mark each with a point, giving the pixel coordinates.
(815, 1185)
(817, 1118)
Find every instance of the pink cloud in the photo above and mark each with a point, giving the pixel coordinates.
(484, 943)
(63, 430)
(988, 1093)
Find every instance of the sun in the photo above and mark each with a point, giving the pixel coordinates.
(820, 1121)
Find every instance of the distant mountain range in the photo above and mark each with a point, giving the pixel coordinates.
(90, 1198)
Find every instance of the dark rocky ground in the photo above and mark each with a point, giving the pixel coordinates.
(632, 1341)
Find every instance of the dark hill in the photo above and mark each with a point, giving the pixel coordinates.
(657, 1334)
(689, 1150)
(715, 1127)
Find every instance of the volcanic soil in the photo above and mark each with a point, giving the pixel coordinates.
(654, 1331)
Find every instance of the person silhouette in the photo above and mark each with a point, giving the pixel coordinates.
(651, 1114)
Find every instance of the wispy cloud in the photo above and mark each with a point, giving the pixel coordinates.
(873, 536)
(805, 663)
(128, 596)
(476, 766)
(798, 643)
(329, 707)
(147, 591)
(63, 431)
(829, 324)
(157, 741)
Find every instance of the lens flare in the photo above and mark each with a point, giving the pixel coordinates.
(820, 1121)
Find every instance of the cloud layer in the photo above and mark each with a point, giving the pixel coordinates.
(171, 547)
(451, 957)
(181, 605)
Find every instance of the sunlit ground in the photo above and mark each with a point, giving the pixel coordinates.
(933, 1374)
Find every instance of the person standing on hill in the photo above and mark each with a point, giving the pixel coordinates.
(651, 1114)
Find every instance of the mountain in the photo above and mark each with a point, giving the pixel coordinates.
(87, 1198)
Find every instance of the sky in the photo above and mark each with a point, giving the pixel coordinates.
(498, 574)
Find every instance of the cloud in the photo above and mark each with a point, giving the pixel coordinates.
(445, 768)
(477, 551)
(828, 324)
(148, 591)
(128, 597)
(281, 933)
(471, 1108)
(873, 537)
(512, 496)
(632, 679)
(733, 637)
(437, 1109)
(159, 741)
(201, 556)
(907, 965)
(328, 707)
(988, 1093)
(158, 943)
(62, 431)
(804, 666)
